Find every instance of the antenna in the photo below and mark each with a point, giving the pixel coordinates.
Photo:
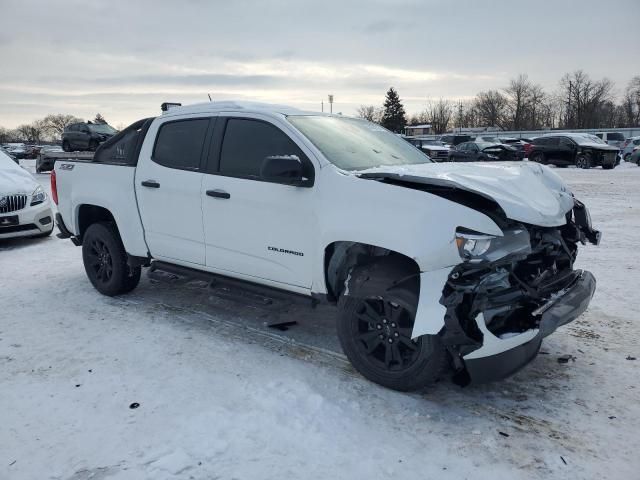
(209, 97)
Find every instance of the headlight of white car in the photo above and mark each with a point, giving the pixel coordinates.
(475, 247)
(38, 196)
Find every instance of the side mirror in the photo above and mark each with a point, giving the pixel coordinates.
(285, 169)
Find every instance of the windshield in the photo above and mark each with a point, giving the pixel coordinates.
(103, 128)
(354, 144)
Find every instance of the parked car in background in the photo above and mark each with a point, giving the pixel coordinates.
(25, 209)
(454, 139)
(581, 150)
(482, 152)
(433, 148)
(628, 146)
(45, 161)
(615, 139)
(519, 144)
(86, 136)
(17, 150)
(635, 156)
(479, 268)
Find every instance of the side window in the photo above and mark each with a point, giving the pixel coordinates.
(179, 144)
(553, 141)
(565, 142)
(248, 142)
(599, 135)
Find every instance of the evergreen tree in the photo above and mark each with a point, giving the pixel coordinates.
(99, 119)
(393, 117)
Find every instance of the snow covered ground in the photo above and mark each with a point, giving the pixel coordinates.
(222, 396)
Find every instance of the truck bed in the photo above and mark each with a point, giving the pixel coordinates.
(82, 183)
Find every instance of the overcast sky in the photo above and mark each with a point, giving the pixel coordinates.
(124, 58)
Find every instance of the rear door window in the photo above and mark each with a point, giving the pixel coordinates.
(179, 144)
(248, 142)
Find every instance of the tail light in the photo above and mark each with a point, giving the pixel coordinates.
(527, 149)
(54, 187)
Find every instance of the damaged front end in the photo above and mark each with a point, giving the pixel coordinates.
(512, 291)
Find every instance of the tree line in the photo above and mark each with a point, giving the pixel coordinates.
(47, 129)
(578, 102)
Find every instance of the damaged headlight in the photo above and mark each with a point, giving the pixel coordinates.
(477, 247)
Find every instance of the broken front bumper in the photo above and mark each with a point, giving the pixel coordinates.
(500, 357)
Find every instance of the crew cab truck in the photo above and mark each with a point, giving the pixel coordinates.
(431, 265)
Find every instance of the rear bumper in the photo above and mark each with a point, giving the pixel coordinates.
(500, 358)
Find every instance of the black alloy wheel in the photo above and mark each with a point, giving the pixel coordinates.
(100, 260)
(383, 332)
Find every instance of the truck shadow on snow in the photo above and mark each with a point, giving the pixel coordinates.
(309, 334)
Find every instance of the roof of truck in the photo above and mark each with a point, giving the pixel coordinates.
(232, 105)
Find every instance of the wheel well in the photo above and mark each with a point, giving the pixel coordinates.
(89, 214)
(341, 257)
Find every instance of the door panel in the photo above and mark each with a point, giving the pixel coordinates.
(262, 229)
(168, 187)
(256, 228)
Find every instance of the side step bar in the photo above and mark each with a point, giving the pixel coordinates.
(269, 293)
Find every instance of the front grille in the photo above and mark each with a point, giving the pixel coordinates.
(12, 203)
(438, 154)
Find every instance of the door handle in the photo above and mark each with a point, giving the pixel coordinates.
(218, 194)
(150, 184)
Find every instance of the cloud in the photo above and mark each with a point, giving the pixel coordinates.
(123, 56)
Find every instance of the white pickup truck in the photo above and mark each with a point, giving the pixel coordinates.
(431, 265)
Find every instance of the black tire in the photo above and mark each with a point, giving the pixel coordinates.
(66, 146)
(365, 334)
(105, 260)
(539, 158)
(93, 145)
(583, 161)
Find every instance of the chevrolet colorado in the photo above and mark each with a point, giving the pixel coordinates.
(431, 265)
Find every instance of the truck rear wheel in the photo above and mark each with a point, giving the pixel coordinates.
(105, 260)
(375, 334)
(66, 146)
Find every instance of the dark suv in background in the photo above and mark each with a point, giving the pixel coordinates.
(86, 136)
(581, 150)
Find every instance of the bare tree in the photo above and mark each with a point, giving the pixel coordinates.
(370, 113)
(439, 115)
(491, 107)
(585, 100)
(518, 95)
(32, 132)
(629, 113)
(55, 124)
(5, 135)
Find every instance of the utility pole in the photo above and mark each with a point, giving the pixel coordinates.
(322, 105)
(330, 103)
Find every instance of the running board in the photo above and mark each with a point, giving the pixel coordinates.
(268, 294)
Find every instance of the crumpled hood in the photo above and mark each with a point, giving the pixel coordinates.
(526, 191)
(14, 179)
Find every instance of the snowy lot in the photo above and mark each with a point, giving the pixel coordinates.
(222, 396)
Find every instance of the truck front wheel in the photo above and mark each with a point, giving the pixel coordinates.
(375, 334)
(105, 260)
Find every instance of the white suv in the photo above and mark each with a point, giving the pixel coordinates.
(25, 210)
